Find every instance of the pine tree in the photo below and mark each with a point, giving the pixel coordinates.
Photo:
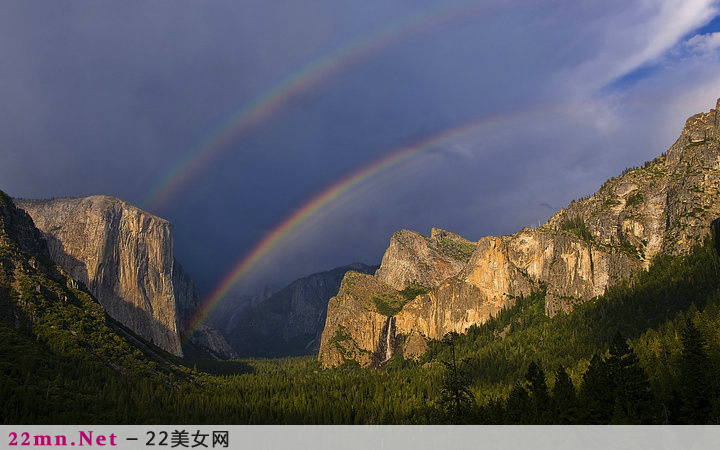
(633, 400)
(596, 393)
(456, 398)
(696, 379)
(538, 392)
(564, 406)
(518, 406)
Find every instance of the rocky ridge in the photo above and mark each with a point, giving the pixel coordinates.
(665, 206)
(125, 258)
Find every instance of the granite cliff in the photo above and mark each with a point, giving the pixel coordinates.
(125, 258)
(48, 319)
(429, 286)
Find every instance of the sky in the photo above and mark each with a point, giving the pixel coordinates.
(235, 119)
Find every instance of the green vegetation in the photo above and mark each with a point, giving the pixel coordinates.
(413, 290)
(634, 199)
(455, 249)
(389, 305)
(610, 201)
(650, 170)
(341, 335)
(648, 301)
(346, 346)
(626, 246)
(576, 226)
(502, 365)
(581, 199)
(456, 398)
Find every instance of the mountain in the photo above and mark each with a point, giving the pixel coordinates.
(125, 258)
(39, 299)
(286, 323)
(63, 359)
(429, 286)
(229, 313)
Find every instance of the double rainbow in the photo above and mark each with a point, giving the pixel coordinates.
(271, 101)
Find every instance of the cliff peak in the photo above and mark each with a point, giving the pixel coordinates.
(702, 126)
(98, 202)
(124, 256)
(438, 234)
(413, 258)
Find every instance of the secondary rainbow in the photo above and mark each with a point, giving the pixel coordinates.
(299, 82)
(333, 196)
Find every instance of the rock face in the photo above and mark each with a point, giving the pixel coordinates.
(125, 257)
(412, 257)
(42, 302)
(286, 323)
(666, 206)
(357, 326)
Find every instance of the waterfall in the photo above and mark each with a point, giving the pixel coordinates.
(388, 344)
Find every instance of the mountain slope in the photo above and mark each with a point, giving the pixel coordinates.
(288, 322)
(664, 207)
(125, 257)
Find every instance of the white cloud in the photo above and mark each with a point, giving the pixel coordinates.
(704, 43)
(640, 34)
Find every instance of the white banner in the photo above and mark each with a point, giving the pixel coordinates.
(358, 437)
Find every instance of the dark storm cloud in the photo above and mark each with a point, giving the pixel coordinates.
(107, 97)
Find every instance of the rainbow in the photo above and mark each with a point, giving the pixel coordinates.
(332, 197)
(262, 107)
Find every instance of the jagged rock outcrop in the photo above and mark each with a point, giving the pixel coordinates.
(414, 258)
(665, 206)
(286, 323)
(502, 269)
(125, 257)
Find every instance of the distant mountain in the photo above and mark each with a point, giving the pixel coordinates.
(124, 256)
(287, 323)
(232, 311)
(429, 286)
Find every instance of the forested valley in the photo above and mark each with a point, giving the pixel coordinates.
(646, 352)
